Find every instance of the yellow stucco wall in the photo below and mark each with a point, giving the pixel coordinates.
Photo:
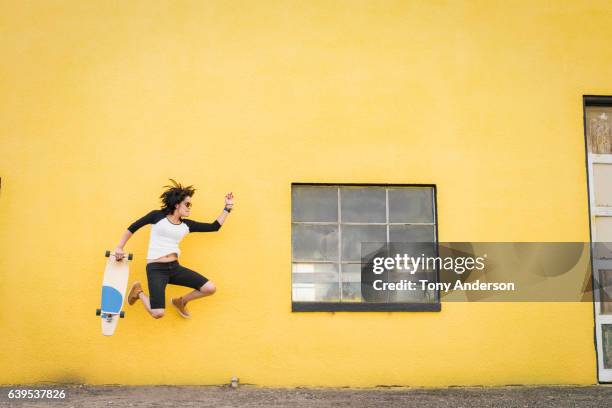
(102, 101)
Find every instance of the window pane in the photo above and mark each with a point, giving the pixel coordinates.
(603, 226)
(316, 292)
(606, 330)
(411, 296)
(315, 273)
(314, 242)
(411, 233)
(411, 249)
(602, 250)
(314, 204)
(354, 235)
(602, 179)
(351, 292)
(411, 204)
(316, 277)
(351, 272)
(598, 126)
(351, 283)
(306, 268)
(361, 204)
(605, 282)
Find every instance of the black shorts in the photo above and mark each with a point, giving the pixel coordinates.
(159, 274)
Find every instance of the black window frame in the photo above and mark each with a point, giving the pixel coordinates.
(301, 306)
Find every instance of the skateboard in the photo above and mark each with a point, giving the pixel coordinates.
(114, 285)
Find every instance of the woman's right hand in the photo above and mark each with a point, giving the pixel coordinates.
(119, 254)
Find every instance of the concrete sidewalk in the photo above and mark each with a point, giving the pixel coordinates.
(251, 396)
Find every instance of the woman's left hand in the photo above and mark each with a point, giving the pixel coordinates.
(229, 200)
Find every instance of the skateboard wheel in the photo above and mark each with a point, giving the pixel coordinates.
(130, 257)
(107, 254)
(122, 314)
(98, 312)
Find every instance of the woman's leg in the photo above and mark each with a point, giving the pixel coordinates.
(156, 313)
(205, 290)
(186, 277)
(157, 278)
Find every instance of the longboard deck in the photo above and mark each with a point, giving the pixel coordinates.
(114, 285)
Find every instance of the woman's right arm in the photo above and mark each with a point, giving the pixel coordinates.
(135, 226)
(119, 254)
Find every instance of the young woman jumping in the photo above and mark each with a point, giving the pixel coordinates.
(167, 230)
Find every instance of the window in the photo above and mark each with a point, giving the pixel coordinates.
(329, 225)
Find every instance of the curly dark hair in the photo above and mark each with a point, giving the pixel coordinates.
(174, 195)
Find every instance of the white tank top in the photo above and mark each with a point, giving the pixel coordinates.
(165, 238)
